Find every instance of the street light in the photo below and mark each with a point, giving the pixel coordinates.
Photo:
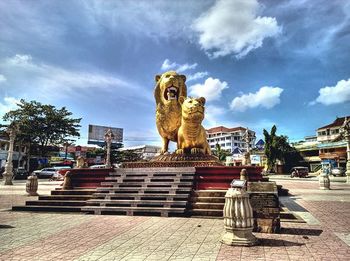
(345, 133)
(12, 130)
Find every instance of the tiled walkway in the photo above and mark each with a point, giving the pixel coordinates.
(38, 236)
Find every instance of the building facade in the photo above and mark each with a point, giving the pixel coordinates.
(19, 154)
(230, 139)
(325, 148)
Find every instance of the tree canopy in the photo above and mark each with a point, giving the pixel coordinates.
(278, 148)
(42, 125)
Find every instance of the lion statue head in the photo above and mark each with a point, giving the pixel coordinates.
(192, 109)
(169, 87)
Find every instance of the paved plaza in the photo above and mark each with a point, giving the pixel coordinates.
(325, 234)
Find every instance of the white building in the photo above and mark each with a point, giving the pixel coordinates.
(147, 152)
(230, 139)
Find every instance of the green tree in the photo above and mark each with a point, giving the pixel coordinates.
(220, 153)
(43, 125)
(278, 148)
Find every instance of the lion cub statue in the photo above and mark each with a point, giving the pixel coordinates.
(191, 136)
(170, 86)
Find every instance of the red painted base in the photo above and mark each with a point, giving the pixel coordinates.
(89, 178)
(220, 177)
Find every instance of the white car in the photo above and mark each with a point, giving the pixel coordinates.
(45, 172)
(98, 166)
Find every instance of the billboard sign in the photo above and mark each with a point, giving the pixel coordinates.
(96, 134)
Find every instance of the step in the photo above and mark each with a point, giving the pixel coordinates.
(47, 208)
(148, 189)
(55, 203)
(149, 196)
(209, 199)
(66, 197)
(206, 212)
(209, 193)
(205, 205)
(73, 192)
(130, 211)
(148, 184)
(137, 203)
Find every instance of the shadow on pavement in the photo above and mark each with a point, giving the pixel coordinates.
(6, 226)
(301, 231)
(277, 242)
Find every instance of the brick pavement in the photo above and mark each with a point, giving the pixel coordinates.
(47, 236)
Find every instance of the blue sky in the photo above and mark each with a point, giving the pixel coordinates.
(258, 63)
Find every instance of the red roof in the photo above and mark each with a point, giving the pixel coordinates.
(224, 129)
(337, 123)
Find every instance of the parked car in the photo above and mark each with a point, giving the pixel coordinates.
(20, 173)
(338, 171)
(45, 172)
(301, 172)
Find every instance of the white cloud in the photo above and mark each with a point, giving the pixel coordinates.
(211, 89)
(22, 69)
(7, 105)
(266, 97)
(196, 76)
(20, 59)
(213, 116)
(335, 94)
(2, 78)
(167, 65)
(234, 27)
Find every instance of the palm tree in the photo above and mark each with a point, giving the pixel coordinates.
(220, 153)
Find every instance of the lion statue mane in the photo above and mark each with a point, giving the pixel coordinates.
(170, 86)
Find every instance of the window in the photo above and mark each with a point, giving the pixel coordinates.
(228, 138)
(228, 144)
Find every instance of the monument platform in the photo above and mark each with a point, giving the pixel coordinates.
(176, 160)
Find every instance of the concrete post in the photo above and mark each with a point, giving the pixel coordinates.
(32, 185)
(8, 174)
(238, 219)
(324, 179)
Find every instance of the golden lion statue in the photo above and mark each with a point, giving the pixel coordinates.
(169, 87)
(191, 136)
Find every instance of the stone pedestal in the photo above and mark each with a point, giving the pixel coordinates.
(238, 219)
(324, 181)
(32, 185)
(266, 208)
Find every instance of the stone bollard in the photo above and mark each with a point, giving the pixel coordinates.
(238, 219)
(32, 185)
(324, 181)
(67, 182)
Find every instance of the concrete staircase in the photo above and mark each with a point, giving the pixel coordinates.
(143, 191)
(59, 201)
(207, 203)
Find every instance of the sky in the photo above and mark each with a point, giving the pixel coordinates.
(257, 63)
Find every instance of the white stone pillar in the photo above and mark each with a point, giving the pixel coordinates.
(8, 174)
(238, 219)
(324, 180)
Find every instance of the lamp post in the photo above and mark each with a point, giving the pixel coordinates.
(8, 174)
(246, 157)
(109, 136)
(345, 132)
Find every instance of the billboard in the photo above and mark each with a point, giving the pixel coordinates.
(96, 134)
